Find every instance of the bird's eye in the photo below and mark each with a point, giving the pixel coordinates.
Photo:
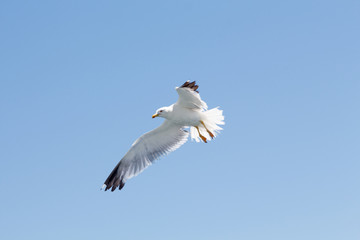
(160, 110)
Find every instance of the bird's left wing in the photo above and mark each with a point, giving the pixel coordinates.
(145, 150)
(189, 96)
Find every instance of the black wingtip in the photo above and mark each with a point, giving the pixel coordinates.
(114, 186)
(107, 187)
(115, 179)
(191, 85)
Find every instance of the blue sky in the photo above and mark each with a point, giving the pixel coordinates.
(81, 79)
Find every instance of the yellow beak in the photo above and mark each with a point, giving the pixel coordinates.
(155, 115)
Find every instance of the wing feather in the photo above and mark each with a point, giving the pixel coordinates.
(144, 151)
(189, 97)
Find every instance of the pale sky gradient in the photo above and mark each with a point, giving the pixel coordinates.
(81, 79)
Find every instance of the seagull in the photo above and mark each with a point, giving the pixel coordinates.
(188, 112)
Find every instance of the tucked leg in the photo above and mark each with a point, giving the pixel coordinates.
(210, 133)
(201, 136)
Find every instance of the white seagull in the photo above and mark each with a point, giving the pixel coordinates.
(188, 111)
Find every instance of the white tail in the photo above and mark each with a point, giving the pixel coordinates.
(211, 118)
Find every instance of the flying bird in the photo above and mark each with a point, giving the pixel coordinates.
(188, 112)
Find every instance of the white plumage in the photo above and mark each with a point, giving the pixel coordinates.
(188, 111)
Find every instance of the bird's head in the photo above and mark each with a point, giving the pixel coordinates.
(162, 112)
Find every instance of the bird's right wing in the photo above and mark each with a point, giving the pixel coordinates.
(145, 150)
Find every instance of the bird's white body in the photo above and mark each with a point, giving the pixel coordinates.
(184, 116)
(188, 111)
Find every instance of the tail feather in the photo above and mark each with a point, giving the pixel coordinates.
(212, 119)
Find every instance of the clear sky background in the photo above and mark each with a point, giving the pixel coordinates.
(81, 79)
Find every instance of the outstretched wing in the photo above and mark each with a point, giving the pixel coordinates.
(145, 150)
(189, 97)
